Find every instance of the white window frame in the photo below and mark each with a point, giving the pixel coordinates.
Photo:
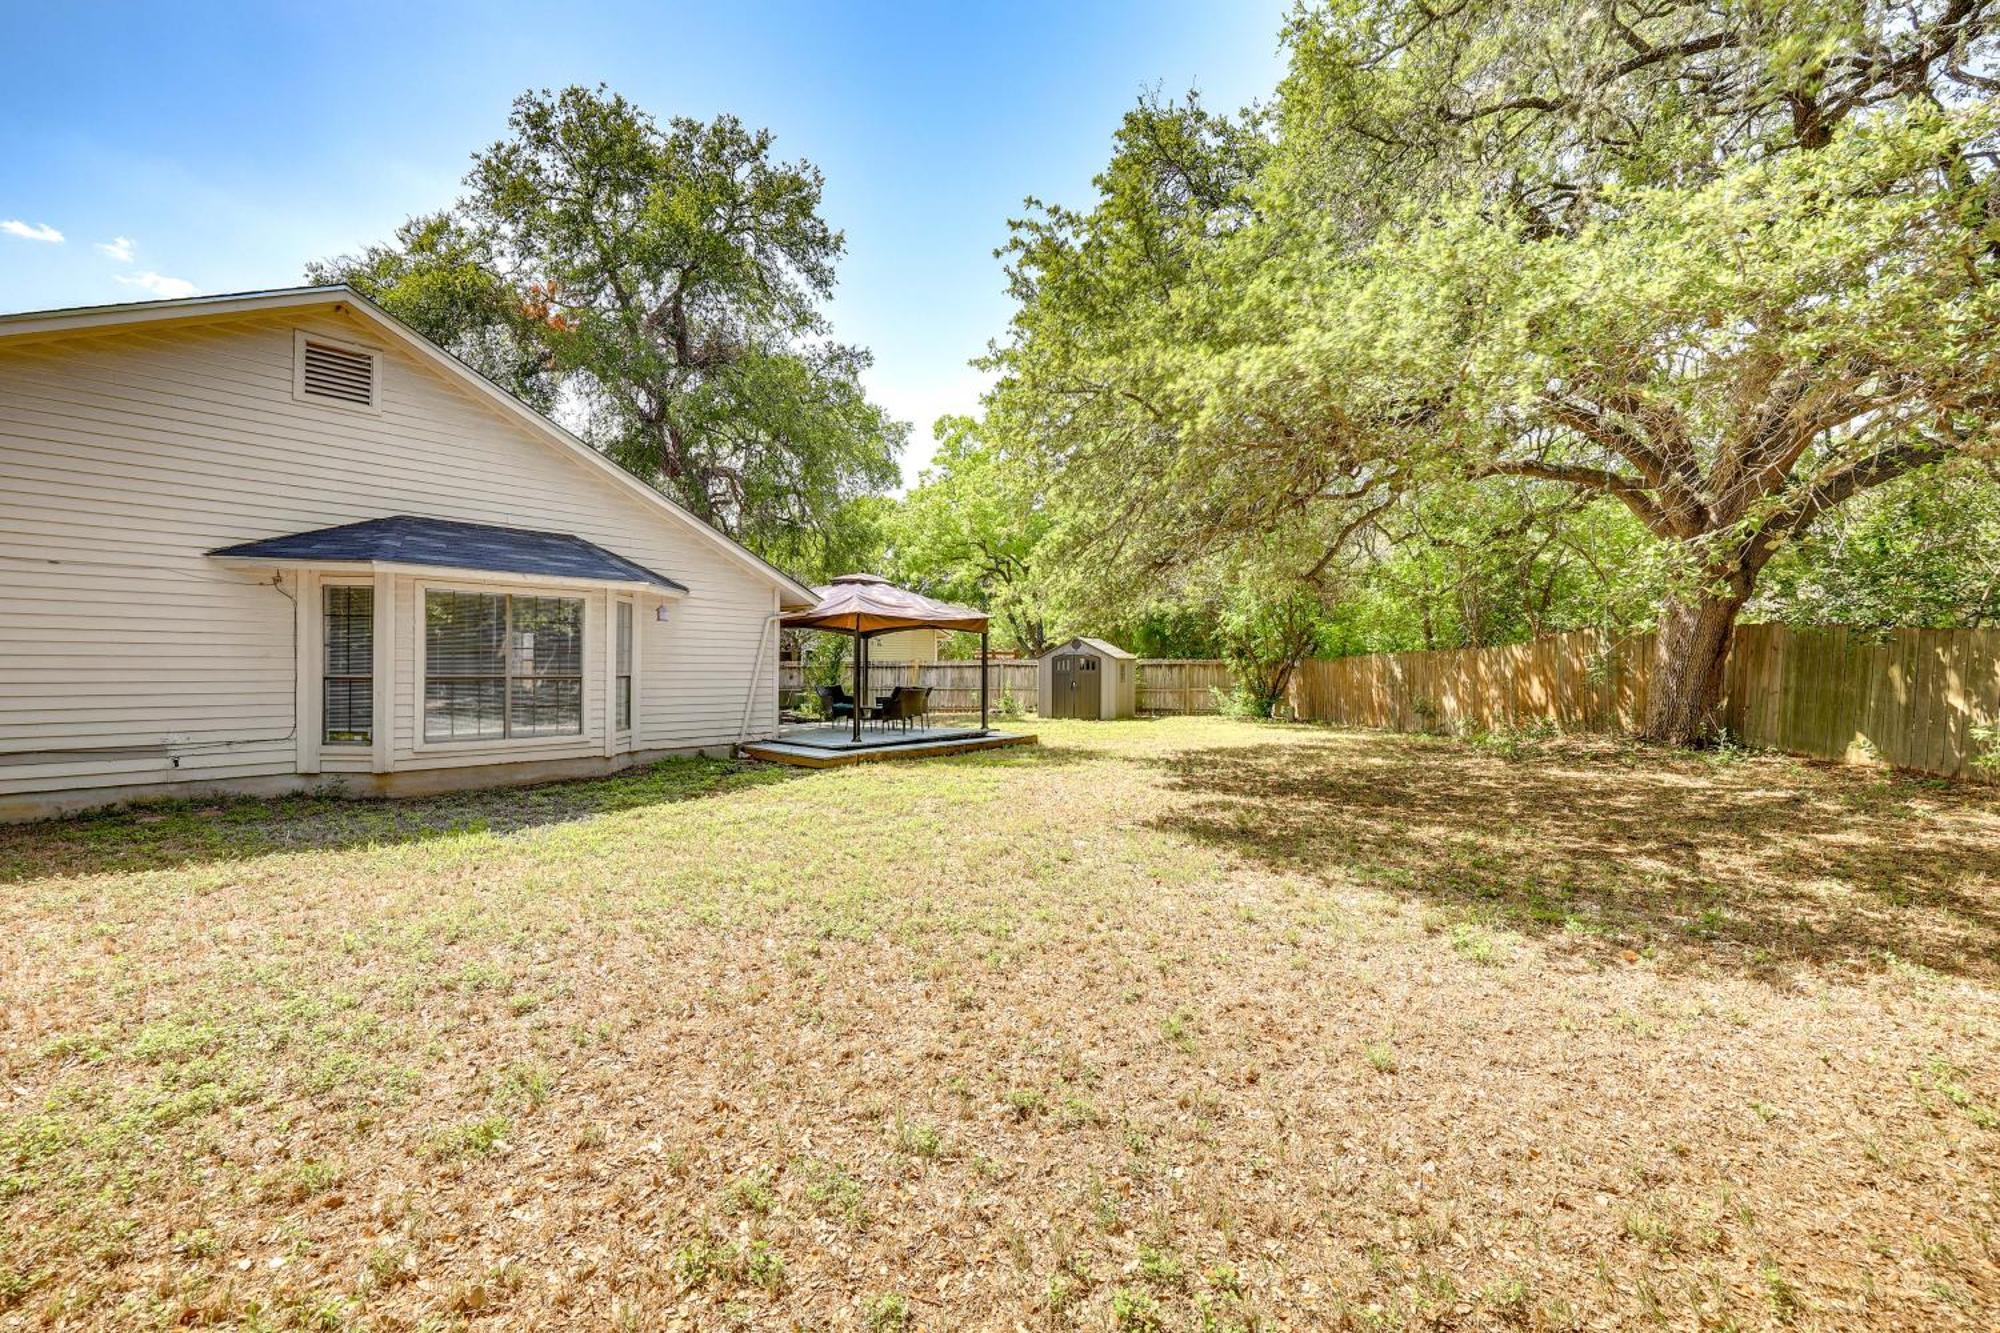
(300, 337)
(612, 675)
(590, 738)
(375, 720)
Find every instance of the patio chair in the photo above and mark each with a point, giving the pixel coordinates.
(835, 702)
(904, 704)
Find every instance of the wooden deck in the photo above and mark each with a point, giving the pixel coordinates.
(834, 746)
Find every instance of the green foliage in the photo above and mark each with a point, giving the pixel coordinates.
(1522, 317)
(890, 1313)
(437, 277)
(1923, 552)
(1466, 565)
(669, 279)
(1265, 635)
(1986, 736)
(972, 531)
(707, 1261)
(475, 1138)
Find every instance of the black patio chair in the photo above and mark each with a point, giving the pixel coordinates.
(835, 702)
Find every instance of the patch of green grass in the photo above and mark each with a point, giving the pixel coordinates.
(1475, 944)
(1075, 1112)
(919, 1139)
(526, 1085)
(710, 1262)
(303, 1180)
(1161, 1267)
(1136, 1310)
(890, 1313)
(751, 1194)
(16, 1284)
(1779, 1294)
(836, 1193)
(473, 1138)
(1948, 1081)
(388, 1265)
(1381, 1057)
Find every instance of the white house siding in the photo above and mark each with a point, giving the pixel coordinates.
(128, 658)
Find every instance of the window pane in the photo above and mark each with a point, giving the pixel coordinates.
(547, 707)
(465, 709)
(548, 637)
(463, 634)
(624, 666)
(350, 710)
(348, 690)
(350, 631)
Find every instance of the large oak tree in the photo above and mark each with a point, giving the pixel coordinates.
(1727, 264)
(665, 283)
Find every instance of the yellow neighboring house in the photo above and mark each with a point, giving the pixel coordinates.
(910, 645)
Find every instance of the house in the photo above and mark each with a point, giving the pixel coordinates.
(274, 541)
(910, 645)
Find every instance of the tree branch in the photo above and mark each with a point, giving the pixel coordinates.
(1635, 494)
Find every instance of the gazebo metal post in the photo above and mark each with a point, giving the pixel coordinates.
(860, 678)
(985, 674)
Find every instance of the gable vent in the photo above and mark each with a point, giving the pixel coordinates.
(326, 371)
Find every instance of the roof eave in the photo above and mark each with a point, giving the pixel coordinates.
(80, 318)
(465, 572)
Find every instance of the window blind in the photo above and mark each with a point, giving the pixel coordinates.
(624, 670)
(348, 711)
(498, 667)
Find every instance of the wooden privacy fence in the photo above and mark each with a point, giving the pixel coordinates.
(1181, 685)
(1910, 698)
(954, 686)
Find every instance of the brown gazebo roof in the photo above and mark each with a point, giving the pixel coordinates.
(865, 604)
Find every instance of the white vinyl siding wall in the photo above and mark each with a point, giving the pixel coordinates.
(125, 455)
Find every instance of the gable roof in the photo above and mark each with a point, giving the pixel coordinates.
(792, 593)
(438, 543)
(1096, 645)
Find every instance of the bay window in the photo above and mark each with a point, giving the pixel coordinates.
(501, 667)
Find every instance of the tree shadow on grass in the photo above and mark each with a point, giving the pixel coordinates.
(162, 834)
(1751, 863)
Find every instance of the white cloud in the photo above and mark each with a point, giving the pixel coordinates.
(44, 232)
(118, 247)
(171, 289)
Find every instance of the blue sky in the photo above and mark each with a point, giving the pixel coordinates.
(200, 147)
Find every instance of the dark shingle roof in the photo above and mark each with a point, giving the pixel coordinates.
(408, 540)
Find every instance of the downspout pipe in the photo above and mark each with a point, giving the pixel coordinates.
(756, 674)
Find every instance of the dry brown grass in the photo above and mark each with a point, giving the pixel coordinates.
(1182, 1024)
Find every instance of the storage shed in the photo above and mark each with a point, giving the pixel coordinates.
(1088, 678)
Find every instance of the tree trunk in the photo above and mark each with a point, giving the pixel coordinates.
(1684, 696)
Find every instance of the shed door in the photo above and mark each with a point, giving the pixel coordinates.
(1075, 687)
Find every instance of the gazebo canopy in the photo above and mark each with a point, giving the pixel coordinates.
(864, 604)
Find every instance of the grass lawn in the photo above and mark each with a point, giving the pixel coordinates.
(1162, 1025)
